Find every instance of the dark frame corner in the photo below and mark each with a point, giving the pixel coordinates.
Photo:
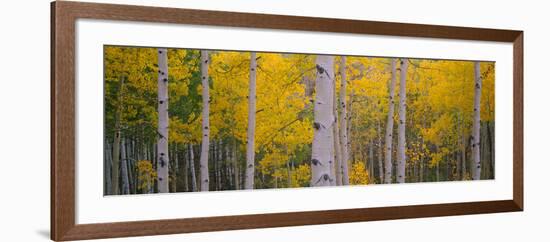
(63, 17)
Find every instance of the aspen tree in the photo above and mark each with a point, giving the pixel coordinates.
(343, 122)
(205, 145)
(163, 120)
(389, 126)
(324, 121)
(476, 123)
(401, 142)
(250, 152)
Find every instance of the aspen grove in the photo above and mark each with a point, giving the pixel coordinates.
(185, 120)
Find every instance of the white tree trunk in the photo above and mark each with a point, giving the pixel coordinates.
(205, 121)
(380, 151)
(389, 127)
(192, 167)
(401, 142)
(324, 121)
(250, 150)
(476, 123)
(337, 147)
(236, 166)
(108, 162)
(124, 168)
(116, 143)
(162, 142)
(343, 122)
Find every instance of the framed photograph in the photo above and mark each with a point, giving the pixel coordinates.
(170, 120)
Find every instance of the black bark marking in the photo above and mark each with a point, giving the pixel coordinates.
(160, 51)
(320, 69)
(249, 165)
(316, 162)
(160, 135)
(205, 127)
(325, 177)
(316, 125)
(164, 79)
(161, 102)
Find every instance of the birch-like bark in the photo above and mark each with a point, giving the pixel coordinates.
(185, 170)
(370, 166)
(401, 142)
(380, 152)
(108, 163)
(116, 143)
(205, 122)
(236, 166)
(250, 149)
(192, 167)
(337, 147)
(476, 123)
(174, 169)
(324, 121)
(162, 142)
(389, 127)
(343, 122)
(124, 168)
(219, 151)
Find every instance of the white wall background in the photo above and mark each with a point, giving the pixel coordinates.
(24, 120)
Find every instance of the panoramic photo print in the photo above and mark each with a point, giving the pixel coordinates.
(190, 120)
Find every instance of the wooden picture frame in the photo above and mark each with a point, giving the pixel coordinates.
(63, 17)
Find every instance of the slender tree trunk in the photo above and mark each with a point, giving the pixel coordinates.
(236, 166)
(174, 169)
(124, 168)
(250, 149)
(351, 152)
(343, 123)
(371, 160)
(163, 160)
(116, 144)
(192, 168)
(389, 126)
(107, 169)
(323, 122)
(476, 124)
(337, 147)
(132, 166)
(380, 152)
(401, 142)
(422, 168)
(229, 161)
(184, 170)
(490, 150)
(219, 151)
(205, 122)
